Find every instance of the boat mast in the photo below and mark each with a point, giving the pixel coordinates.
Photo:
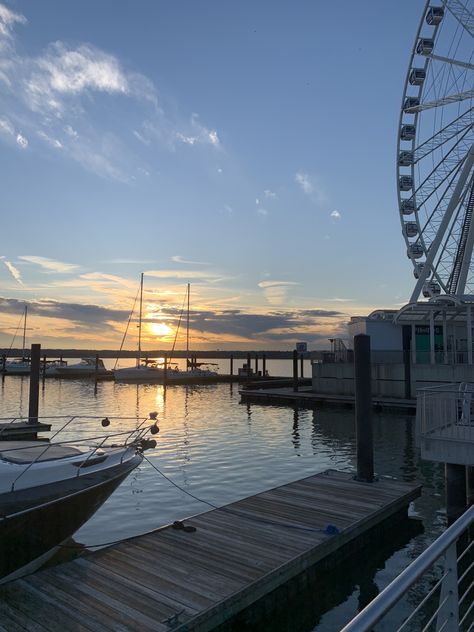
(24, 333)
(187, 331)
(140, 323)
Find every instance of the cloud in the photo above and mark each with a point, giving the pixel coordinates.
(262, 211)
(51, 265)
(269, 194)
(183, 274)
(52, 98)
(22, 141)
(8, 19)
(13, 271)
(178, 259)
(62, 72)
(76, 312)
(303, 180)
(6, 127)
(336, 215)
(312, 187)
(53, 142)
(276, 292)
(199, 134)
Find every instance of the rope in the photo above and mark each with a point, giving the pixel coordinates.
(14, 335)
(177, 329)
(126, 330)
(329, 530)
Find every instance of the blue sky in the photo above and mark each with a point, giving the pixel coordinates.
(246, 148)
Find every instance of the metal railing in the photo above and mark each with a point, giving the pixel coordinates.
(448, 605)
(128, 438)
(446, 412)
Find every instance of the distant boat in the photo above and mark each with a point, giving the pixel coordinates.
(145, 370)
(49, 489)
(87, 367)
(19, 366)
(193, 372)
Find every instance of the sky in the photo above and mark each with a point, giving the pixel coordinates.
(246, 148)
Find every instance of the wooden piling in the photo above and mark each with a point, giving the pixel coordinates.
(35, 361)
(363, 408)
(469, 485)
(232, 365)
(264, 365)
(456, 496)
(295, 371)
(4, 362)
(302, 366)
(256, 363)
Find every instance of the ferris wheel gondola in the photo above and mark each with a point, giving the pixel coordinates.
(435, 152)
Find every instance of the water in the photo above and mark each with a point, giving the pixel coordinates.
(220, 450)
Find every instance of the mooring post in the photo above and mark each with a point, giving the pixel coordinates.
(96, 366)
(165, 369)
(232, 365)
(264, 365)
(4, 362)
(363, 408)
(469, 485)
(295, 370)
(249, 367)
(35, 362)
(301, 365)
(256, 363)
(456, 497)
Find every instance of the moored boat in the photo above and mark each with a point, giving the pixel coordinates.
(48, 490)
(87, 367)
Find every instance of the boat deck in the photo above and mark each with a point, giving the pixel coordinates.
(180, 580)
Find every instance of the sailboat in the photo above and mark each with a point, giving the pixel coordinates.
(19, 366)
(144, 370)
(193, 372)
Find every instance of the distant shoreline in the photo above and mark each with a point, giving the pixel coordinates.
(153, 353)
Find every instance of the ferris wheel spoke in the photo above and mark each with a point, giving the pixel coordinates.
(447, 167)
(465, 245)
(443, 137)
(461, 13)
(449, 131)
(452, 62)
(451, 98)
(445, 222)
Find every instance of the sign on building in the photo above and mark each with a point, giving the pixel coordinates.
(302, 347)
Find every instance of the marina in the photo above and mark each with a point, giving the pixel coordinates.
(264, 447)
(292, 449)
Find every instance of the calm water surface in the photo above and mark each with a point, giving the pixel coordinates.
(220, 450)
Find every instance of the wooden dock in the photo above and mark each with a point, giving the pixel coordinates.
(306, 398)
(173, 579)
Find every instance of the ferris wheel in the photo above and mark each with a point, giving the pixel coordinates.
(435, 151)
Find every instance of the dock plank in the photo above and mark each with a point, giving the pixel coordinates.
(197, 580)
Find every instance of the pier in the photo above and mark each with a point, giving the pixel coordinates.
(305, 397)
(230, 560)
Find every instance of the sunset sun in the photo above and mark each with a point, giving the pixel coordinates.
(159, 329)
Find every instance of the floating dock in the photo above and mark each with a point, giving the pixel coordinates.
(307, 398)
(175, 579)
